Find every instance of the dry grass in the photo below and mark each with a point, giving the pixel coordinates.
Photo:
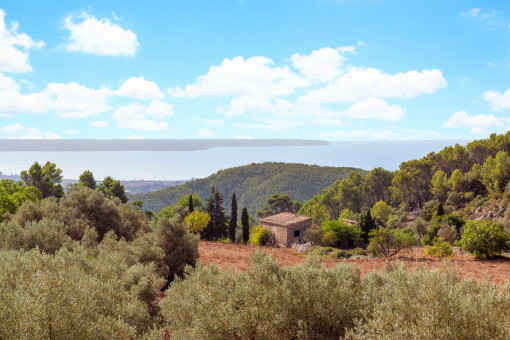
(238, 256)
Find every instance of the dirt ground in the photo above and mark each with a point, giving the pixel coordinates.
(238, 256)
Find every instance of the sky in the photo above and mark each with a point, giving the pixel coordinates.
(307, 69)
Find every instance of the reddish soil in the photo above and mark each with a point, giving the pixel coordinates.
(238, 257)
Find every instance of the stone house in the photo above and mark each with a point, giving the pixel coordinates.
(287, 228)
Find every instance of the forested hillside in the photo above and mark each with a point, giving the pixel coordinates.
(253, 184)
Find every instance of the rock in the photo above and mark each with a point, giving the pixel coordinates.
(490, 214)
(303, 247)
(478, 210)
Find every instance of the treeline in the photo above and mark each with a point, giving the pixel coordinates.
(254, 183)
(454, 176)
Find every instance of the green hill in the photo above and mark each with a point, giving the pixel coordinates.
(253, 184)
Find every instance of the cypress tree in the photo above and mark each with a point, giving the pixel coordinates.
(440, 210)
(217, 227)
(366, 223)
(190, 205)
(232, 225)
(246, 225)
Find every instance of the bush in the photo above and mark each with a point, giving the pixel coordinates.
(428, 210)
(484, 239)
(344, 232)
(319, 237)
(388, 242)
(452, 220)
(439, 248)
(265, 237)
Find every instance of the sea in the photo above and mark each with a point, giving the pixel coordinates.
(187, 165)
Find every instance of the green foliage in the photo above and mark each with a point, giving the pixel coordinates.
(388, 242)
(428, 210)
(484, 239)
(217, 227)
(347, 214)
(197, 221)
(435, 226)
(344, 233)
(232, 223)
(440, 248)
(266, 301)
(440, 210)
(14, 194)
(191, 206)
(112, 188)
(334, 253)
(46, 179)
(495, 172)
(419, 227)
(367, 224)
(265, 237)
(439, 185)
(245, 224)
(87, 179)
(254, 183)
(277, 204)
(184, 201)
(382, 211)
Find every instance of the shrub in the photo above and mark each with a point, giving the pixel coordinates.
(265, 237)
(439, 248)
(452, 220)
(387, 242)
(484, 239)
(382, 211)
(344, 232)
(419, 227)
(428, 210)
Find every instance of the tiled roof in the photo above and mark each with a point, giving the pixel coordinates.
(285, 219)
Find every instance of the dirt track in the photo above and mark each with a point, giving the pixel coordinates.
(238, 257)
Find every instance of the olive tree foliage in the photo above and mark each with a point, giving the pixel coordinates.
(112, 188)
(82, 208)
(14, 194)
(388, 242)
(46, 179)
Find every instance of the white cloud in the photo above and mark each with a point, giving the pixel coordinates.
(375, 108)
(206, 133)
(139, 88)
(99, 36)
(51, 135)
(477, 123)
(321, 65)
(360, 83)
(254, 77)
(71, 132)
(13, 102)
(77, 101)
(11, 129)
(478, 14)
(497, 100)
(134, 116)
(7, 83)
(242, 137)
(99, 123)
(12, 58)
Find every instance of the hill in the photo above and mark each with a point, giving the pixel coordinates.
(253, 184)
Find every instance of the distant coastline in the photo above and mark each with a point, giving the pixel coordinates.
(84, 145)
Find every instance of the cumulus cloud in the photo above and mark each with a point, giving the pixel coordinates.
(7, 83)
(139, 88)
(18, 131)
(11, 129)
(321, 65)
(477, 123)
(497, 100)
(99, 123)
(99, 36)
(479, 14)
(134, 116)
(375, 108)
(14, 47)
(77, 101)
(254, 77)
(71, 132)
(360, 83)
(206, 133)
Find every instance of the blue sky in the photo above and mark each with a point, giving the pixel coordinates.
(319, 69)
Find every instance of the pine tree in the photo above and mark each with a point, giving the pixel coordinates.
(232, 225)
(367, 223)
(440, 210)
(246, 225)
(217, 227)
(190, 205)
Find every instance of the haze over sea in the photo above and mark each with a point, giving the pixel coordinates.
(184, 165)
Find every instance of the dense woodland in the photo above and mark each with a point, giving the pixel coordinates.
(85, 263)
(253, 184)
